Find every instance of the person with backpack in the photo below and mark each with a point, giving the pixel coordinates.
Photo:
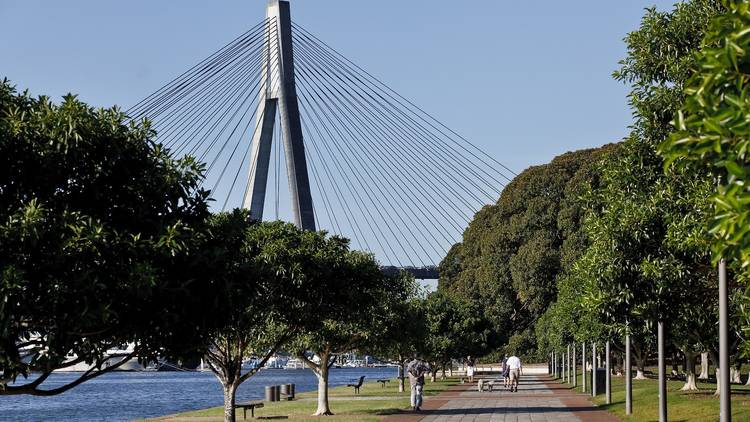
(416, 369)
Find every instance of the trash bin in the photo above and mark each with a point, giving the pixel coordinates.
(270, 393)
(287, 390)
(601, 380)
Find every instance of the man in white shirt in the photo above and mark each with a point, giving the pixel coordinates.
(514, 363)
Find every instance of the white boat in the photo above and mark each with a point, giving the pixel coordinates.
(294, 363)
(131, 365)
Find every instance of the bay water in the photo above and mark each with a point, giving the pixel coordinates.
(125, 396)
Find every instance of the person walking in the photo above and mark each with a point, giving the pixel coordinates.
(416, 370)
(470, 368)
(506, 372)
(515, 371)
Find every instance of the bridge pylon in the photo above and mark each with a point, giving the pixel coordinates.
(280, 94)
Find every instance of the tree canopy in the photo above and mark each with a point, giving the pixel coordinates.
(95, 223)
(513, 252)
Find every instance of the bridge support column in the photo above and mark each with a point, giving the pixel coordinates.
(280, 61)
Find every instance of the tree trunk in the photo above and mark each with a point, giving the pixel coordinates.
(322, 374)
(401, 375)
(675, 368)
(229, 394)
(717, 393)
(736, 376)
(442, 373)
(704, 366)
(640, 365)
(690, 384)
(640, 362)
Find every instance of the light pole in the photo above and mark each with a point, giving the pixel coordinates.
(608, 376)
(662, 373)
(593, 369)
(725, 404)
(628, 373)
(583, 365)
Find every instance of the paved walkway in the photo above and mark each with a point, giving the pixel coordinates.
(538, 399)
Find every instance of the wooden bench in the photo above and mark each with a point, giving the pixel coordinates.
(252, 405)
(358, 385)
(382, 383)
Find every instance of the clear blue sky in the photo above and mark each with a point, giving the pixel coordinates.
(523, 80)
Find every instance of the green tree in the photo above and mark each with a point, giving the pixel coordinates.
(456, 328)
(351, 293)
(648, 256)
(712, 138)
(96, 222)
(404, 326)
(259, 297)
(513, 252)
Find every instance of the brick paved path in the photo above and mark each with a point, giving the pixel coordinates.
(538, 399)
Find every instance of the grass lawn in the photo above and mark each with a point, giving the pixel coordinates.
(695, 406)
(371, 404)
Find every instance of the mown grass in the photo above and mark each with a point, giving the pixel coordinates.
(697, 406)
(372, 404)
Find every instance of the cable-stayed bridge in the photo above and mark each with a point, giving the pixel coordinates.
(277, 106)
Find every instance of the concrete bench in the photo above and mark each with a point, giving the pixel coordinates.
(252, 405)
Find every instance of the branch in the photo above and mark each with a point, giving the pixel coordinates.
(92, 373)
(312, 365)
(268, 355)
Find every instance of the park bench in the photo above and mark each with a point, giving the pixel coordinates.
(252, 405)
(358, 385)
(382, 382)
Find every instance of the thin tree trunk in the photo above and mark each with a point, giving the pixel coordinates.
(640, 365)
(717, 393)
(736, 376)
(704, 366)
(322, 374)
(640, 362)
(690, 384)
(442, 374)
(401, 375)
(229, 399)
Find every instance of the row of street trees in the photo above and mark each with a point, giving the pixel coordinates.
(672, 199)
(107, 240)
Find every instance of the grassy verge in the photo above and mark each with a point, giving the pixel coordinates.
(697, 406)
(371, 404)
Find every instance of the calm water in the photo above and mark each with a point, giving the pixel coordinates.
(124, 396)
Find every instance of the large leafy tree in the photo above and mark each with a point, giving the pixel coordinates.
(712, 137)
(96, 221)
(513, 252)
(352, 295)
(258, 295)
